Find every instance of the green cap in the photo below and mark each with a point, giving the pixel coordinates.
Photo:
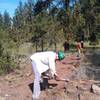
(61, 55)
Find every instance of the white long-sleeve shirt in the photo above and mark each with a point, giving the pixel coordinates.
(44, 61)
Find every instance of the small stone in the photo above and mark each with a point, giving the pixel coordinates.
(7, 95)
(95, 89)
(2, 98)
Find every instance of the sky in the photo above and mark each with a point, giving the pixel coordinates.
(9, 6)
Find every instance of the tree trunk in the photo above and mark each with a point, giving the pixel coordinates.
(42, 44)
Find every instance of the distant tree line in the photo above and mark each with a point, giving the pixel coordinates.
(46, 23)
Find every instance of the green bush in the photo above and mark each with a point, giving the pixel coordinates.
(6, 64)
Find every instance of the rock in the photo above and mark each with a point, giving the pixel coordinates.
(2, 98)
(71, 89)
(89, 96)
(95, 89)
(84, 86)
(7, 95)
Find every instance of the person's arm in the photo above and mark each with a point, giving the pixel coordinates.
(52, 67)
(53, 72)
(54, 75)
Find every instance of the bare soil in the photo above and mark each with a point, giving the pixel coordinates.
(18, 84)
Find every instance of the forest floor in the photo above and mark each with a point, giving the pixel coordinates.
(18, 84)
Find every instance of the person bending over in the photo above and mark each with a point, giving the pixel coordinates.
(42, 62)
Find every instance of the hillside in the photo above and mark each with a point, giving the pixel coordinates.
(18, 84)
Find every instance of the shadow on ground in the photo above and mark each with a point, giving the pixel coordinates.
(43, 88)
(94, 58)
